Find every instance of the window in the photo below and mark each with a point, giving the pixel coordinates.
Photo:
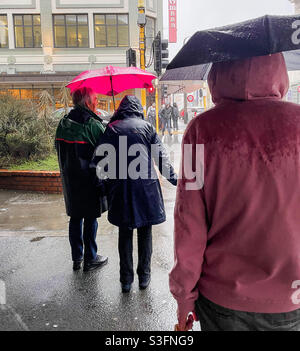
(3, 32)
(33, 93)
(150, 32)
(27, 31)
(111, 30)
(71, 31)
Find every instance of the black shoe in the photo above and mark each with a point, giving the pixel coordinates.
(77, 265)
(126, 288)
(99, 262)
(144, 283)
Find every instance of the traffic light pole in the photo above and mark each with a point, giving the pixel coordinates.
(186, 116)
(142, 48)
(156, 106)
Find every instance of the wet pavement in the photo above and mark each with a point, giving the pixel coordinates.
(43, 293)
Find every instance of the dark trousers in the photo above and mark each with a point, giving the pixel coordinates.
(152, 120)
(213, 317)
(144, 235)
(175, 123)
(82, 236)
(166, 124)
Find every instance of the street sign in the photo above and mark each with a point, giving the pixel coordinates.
(190, 98)
(173, 21)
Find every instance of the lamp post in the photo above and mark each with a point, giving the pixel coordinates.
(142, 45)
(156, 105)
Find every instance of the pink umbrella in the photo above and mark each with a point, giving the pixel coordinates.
(112, 81)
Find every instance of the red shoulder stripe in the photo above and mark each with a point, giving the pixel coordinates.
(72, 142)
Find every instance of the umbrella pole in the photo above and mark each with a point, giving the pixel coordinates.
(113, 96)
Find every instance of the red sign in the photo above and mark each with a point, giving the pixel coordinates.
(190, 98)
(172, 21)
(298, 89)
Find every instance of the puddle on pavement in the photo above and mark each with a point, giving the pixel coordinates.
(23, 211)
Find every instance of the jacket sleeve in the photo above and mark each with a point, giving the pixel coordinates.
(162, 160)
(96, 134)
(101, 184)
(96, 131)
(190, 237)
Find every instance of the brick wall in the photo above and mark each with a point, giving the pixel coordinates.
(41, 181)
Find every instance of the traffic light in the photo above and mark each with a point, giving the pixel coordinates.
(161, 54)
(151, 90)
(164, 92)
(164, 53)
(131, 58)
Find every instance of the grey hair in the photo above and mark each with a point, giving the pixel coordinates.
(82, 96)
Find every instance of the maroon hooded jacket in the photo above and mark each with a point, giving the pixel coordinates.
(237, 240)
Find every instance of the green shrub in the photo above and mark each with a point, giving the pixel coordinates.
(23, 134)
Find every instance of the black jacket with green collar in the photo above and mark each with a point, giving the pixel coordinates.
(76, 138)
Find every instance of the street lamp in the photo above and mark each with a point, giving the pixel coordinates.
(142, 46)
(156, 81)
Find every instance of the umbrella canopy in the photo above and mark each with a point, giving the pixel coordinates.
(112, 81)
(257, 37)
(186, 74)
(183, 86)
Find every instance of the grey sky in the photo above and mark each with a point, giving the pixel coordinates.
(196, 15)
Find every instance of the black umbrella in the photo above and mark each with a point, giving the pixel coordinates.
(198, 72)
(257, 37)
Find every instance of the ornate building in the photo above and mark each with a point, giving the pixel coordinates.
(45, 43)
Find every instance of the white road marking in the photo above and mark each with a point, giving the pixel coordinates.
(2, 293)
(5, 307)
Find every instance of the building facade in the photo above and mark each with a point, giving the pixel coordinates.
(46, 43)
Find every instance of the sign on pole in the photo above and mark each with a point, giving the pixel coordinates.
(172, 21)
(190, 98)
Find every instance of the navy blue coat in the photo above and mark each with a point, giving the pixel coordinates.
(134, 203)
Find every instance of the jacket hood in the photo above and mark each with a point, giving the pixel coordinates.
(130, 106)
(260, 77)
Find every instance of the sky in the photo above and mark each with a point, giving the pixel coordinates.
(194, 15)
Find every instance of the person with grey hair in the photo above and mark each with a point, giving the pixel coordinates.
(76, 138)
